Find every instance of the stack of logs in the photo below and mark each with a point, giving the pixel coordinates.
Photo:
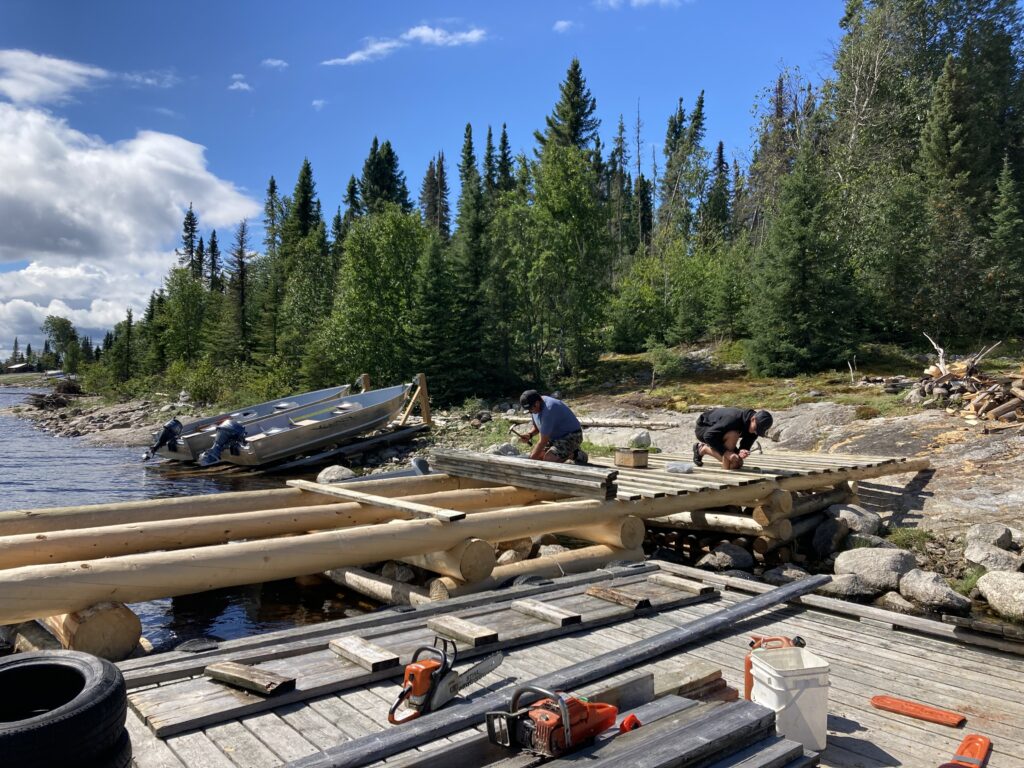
(974, 396)
(769, 530)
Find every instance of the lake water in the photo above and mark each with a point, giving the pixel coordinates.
(41, 470)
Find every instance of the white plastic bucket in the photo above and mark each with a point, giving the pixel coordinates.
(794, 683)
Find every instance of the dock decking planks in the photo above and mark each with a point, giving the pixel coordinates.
(864, 661)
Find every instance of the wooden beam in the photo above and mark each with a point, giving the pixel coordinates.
(250, 678)
(342, 492)
(553, 614)
(630, 600)
(367, 655)
(471, 560)
(465, 632)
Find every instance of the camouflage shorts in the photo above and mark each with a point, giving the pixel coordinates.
(565, 447)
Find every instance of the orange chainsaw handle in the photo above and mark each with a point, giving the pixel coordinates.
(406, 692)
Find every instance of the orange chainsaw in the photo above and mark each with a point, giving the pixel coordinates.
(551, 726)
(432, 682)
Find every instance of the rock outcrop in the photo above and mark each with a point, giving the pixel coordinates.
(878, 569)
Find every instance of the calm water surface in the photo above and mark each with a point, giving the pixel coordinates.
(41, 470)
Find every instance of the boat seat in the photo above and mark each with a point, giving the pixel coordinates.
(302, 422)
(346, 407)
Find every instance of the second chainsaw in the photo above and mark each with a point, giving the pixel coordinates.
(431, 681)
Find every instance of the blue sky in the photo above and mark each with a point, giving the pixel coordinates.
(115, 115)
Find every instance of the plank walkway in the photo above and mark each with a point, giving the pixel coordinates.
(865, 661)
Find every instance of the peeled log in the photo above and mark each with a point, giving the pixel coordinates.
(37, 590)
(471, 560)
(110, 541)
(810, 482)
(627, 533)
(804, 525)
(377, 587)
(551, 566)
(805, 506)
(108, 630)
(726, 523)
(119, 513)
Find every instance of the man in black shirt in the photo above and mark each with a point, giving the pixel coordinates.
(727, 434)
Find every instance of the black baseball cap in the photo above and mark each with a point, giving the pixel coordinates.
(528, 398)
(763, 420)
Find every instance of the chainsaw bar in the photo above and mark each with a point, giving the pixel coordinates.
(478, 671)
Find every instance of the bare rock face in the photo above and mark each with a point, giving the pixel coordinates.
(335, 474)
(725, 557)
(991, 558)
(784, 574)
(1004, 593)
(828, 536)
(847, 586)
(993, 534)
(879, 570)
(799, 427)
(858, 519)
(931, 591)
(894, 601)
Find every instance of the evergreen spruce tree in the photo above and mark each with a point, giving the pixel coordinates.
(200, 259)
(490, 174)
(353, 207)
(433, 323)
(619, 194)
(189, 231)
(434, 198)
(302, 219)
(715, 213)
(506, 175)
(238, 293)
(215, 279)
(272, 288)
(802, 311)
(428, 195)
(336, 246)
(572, 122)
(1003, 276)
(382, 181)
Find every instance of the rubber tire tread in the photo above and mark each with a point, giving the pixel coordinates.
(76, 732)
(120, 755)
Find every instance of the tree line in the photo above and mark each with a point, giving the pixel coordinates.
(876, 205)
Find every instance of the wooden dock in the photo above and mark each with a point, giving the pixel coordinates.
(335, 700)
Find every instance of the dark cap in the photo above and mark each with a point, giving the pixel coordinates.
(528, 398)
(763, 420)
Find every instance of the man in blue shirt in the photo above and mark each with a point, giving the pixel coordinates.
(560, 432)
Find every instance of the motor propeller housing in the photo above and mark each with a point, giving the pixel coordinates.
(230, 435)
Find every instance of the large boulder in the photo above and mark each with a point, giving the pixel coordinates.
(894, 601)
(858, 519)
(335, 474)
(931, 591)
(878, 569)
(993, 534)
(725, 557)
(847, 586)
(828, 536)
(991, 558)
(784, 574)
(641, 439)
(503, 449)
(1004, 593)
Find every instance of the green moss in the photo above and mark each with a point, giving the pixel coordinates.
(598, 450)
(910, 538)
(866, 412)
(970, 579)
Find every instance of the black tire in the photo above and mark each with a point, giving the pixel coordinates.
(59, 709)
(120, 755)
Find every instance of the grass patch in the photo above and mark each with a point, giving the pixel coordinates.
(593, 449)
(866, 412)
(913, 539)
(970, 579)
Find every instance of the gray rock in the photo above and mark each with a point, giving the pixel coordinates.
(914, 397)
(894, 601)
(335, 474)
(510, 556)
(641, 439)
(784, 574)
(991, 558)
(167, 408)
(1017, 535)
(547, 550)
(994, 534)
(828, 536)
(858, 519)
(1004, 593)
(931, 591)
(879, 569)
(725, 557)
(859, 540)
(847, 586)
(503, 449)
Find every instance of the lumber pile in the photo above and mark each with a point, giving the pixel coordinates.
(569, 479)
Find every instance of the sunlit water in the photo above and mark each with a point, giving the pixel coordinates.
(41, 470)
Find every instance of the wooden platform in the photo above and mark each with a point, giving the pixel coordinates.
(866, 659)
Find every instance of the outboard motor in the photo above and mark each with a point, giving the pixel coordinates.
(230, 435)
(168, 436)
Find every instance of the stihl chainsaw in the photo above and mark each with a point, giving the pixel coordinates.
(431, 682)
(552, 726)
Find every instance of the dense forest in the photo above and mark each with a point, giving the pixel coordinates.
(877, 205)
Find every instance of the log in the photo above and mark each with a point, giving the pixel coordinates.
(806, 505)
(623, 423)
(470, 560)
(1008, 407)
(801, 527)
(550, 566)
(32, 636)
(108, 630)
(806, 483)
(108, 541)
(776, 505)
(380, 746)
(627, 533)
(119, 513)
(377, 587)
(726, 523)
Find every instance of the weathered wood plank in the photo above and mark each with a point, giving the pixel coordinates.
(369, 656)
(463, 631)
(414, 508)
(676, 582)
(546, 612)
(250, 678)
(628, 599)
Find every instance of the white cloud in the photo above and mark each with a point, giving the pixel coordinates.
(275, 63)
(319, 104)
(151, 79)
(238, 77)
(97, 222)
(616, 4)
(239, 85)
(32, 78)
(561, 26)
(375, 49)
